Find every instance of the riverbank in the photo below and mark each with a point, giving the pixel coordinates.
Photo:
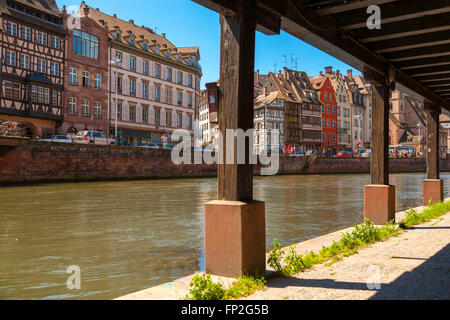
(402, 266)
(40, 162)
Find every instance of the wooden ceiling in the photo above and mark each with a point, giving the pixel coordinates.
(412, 47)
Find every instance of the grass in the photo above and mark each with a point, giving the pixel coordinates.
(292, 263)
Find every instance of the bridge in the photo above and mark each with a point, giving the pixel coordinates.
(411, 53)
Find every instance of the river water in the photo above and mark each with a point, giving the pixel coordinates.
(128, 236)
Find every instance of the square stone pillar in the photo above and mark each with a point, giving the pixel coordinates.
(235, 238)
(379, 203)
(433, 189)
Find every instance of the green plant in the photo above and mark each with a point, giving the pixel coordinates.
(203, 288)
(431, 212)
(275, 255)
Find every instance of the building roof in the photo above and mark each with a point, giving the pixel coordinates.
(47, 6)
(157, 44)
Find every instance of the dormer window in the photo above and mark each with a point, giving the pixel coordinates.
(155, 49)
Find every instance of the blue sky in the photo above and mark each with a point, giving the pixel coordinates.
(188, 24)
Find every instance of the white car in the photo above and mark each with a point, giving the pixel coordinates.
(58, 139)
(91, 137)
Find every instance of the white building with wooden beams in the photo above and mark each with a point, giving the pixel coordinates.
(32, 65)
(155, 86)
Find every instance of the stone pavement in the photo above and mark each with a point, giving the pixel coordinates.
(414, 265)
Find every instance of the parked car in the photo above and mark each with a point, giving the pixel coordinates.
(91, 137)
(58, 139)
(366, 153)
(344, 154)
(150, 145)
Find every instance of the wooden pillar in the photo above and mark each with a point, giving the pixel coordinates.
(235, 223)
(379, 196)
(433, 187)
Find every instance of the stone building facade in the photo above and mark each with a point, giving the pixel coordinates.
(154, 85)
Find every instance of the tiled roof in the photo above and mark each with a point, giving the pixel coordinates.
(47, 6)
(142, 34)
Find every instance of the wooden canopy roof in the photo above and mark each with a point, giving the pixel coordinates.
(412, 48)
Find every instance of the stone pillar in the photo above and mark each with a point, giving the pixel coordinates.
(433, 187)
(379, 196)
(235, 224)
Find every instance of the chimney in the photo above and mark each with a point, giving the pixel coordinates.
(86, 11)
(328, 70)
(64, 11)
(350, 74)
(338, 74)
(257, 76)
(115, 15)
(264, 91)
(131, 21)
(321, 73)
(285, 73)
(163, 35)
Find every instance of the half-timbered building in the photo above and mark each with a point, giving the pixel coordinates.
(32, 65)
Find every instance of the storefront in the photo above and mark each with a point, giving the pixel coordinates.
(133, 138)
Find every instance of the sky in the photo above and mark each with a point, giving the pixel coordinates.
(187, 24)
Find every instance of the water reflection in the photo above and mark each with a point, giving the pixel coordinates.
(127, 236)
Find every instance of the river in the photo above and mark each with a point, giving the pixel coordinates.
(128, 236)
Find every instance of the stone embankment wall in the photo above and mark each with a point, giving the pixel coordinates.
(39, 162)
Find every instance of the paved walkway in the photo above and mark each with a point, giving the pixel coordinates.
(414, 265)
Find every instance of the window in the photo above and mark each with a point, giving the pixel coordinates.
(86, 79)
(42, 66)
(132, 87)
(12, 90)
(118, 59)
(334, 109)
(334, 124)
(11, 29)
(325, 96)
(328, 109)
(179, 120)
(119, 111)
(145, 114)
(56, 42)
(169, 118)
(73, 76)
(189, 81)
(157, 71)
(169, 96)
(85, 44)
(328, 123)
(145, 67)
(189, 122)
(98, 110)
(328, 84)
(179, 98)
(54, 69)
(85, 108)
(72, 105)
(119, 84)
(157, 93)
(323, 108)
(25, 33)
(10, 58)
(145, 90)
(42, 38)
(39, 94)
(331, 96)
(133, 113)
(157, 116)
(24, 61)
(338, 111)
(334, 137)
(98, 81)
(323, 122)
(169, 74)
(132, 63)
(189, 100)
(180, 77)
(54, 98)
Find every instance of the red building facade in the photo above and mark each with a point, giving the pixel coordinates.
(327, 96)
(86, 75)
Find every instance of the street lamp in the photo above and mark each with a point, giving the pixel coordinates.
(359, 117)
(116, 63)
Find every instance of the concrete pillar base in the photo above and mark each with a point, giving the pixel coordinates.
(379, 203)
(433, 189)
(235, 238)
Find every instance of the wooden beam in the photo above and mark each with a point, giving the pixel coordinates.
(237, 55)
(350, 6)
(379, 165)
(418, 53)
(392, 12)
(435, 78)
(424, 62)
(266, 22)
(428, 71)
(426, 24)
(410, 42)
(432, 112)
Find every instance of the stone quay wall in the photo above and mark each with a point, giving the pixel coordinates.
(48, 162)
